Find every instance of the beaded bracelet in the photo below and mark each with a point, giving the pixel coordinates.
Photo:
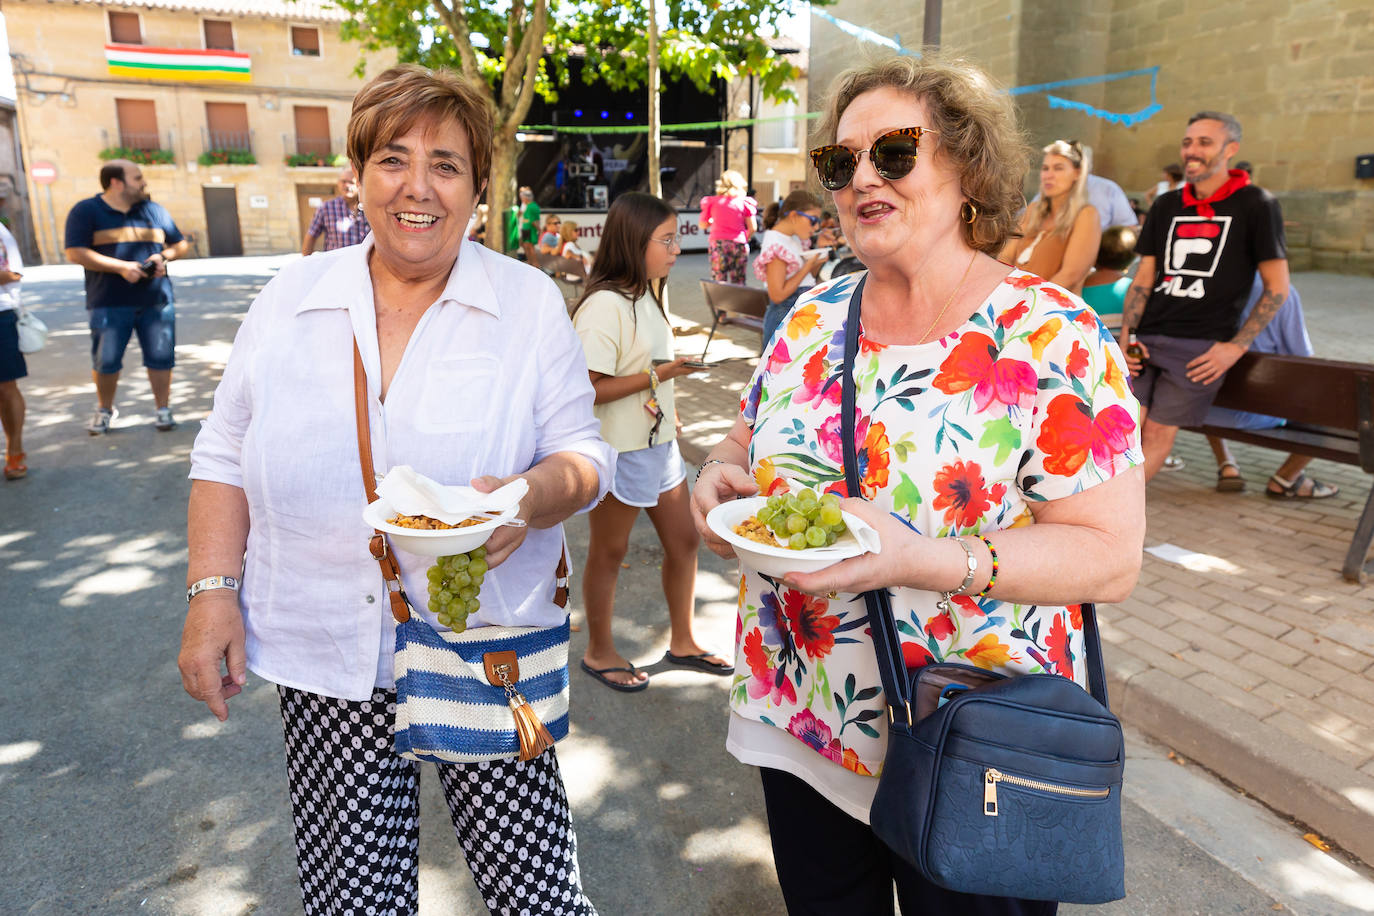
(993, 581)
(706, 462)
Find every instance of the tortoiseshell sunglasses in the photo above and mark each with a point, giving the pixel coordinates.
(893, 156)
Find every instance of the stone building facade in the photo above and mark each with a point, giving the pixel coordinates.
(780, 139)
(264, 84)
(1298, 75)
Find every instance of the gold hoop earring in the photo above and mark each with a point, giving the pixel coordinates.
(968, 212)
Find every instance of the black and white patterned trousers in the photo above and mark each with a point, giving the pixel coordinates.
(356, 803)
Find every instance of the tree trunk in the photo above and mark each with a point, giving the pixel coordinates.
(655, 171)
(500, 189)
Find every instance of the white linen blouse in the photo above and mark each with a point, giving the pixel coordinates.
(488, 384)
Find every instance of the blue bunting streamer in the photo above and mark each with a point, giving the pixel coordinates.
(1126, 119)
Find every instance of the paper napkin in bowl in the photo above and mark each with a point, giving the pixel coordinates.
(411, 493)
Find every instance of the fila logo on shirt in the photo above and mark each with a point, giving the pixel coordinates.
(1193, 250)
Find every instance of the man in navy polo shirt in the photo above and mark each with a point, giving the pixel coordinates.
(124, 241)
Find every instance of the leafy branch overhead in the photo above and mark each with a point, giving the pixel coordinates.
(701, 40)
(517, 48)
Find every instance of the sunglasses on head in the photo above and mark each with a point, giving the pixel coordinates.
(893, 156)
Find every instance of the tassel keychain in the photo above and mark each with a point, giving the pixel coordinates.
(533, 736)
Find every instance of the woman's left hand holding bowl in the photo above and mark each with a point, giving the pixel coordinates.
(903, 554)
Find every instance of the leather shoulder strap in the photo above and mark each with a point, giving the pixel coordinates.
(377, 545)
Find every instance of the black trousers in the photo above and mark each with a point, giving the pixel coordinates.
(830, 864)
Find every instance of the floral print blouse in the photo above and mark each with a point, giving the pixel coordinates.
(1027, 401)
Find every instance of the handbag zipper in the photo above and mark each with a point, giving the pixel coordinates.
(992, 777)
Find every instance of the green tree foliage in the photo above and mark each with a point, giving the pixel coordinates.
(517, 48)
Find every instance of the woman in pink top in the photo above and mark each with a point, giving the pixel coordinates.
(730, 217)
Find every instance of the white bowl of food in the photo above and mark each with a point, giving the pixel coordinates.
(434, 541)
(776, 559)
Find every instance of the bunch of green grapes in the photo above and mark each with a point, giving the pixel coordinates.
(453, 585)
(803, 519)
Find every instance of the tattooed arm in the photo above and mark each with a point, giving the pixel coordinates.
(1275, 276)
(1134, 308)
(1222, 355)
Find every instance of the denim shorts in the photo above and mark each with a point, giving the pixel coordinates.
(643, 475)
(111, 328)
(12, 365)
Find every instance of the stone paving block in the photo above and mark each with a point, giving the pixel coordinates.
(1187, 587)
(1198, 638)
(1228, 671)
(1163, 662)
(1265, 645)
(1319, 716)
(1207, 620)
(1230, 595)
(1252, 703)
(1258, 622)
(1293, 680)
(1152, 635)
(1356, 634)
(1328, 673)
(1339, 699)
(1145, 594)
(1334, 652)
(1310, 736)
(1152, 614)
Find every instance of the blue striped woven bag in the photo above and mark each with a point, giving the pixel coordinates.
(447, 709)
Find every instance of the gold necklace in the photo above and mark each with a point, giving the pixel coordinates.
(944, 307)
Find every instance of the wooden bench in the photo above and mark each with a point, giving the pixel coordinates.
(742, 306)
(1329, 406)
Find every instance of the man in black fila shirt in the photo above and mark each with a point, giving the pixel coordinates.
(1200, 247)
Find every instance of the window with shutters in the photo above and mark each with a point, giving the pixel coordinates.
(227, 126)
(312, 130)
(219, 35)
(125, 28)
(305, 41)
(137, 123)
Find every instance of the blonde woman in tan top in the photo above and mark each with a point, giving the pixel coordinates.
(1060, 232)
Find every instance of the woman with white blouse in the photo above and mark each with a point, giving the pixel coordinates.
(473, 375)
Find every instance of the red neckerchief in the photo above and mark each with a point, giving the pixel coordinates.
(1233, 184)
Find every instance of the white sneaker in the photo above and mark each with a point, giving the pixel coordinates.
(164, 419)
(101, 420)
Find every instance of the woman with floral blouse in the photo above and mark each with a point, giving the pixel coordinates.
(991, 404)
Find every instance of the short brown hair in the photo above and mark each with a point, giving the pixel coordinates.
(399, 98)
(977, 132)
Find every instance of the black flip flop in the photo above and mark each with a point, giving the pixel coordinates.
(600, 675)
(700, 663)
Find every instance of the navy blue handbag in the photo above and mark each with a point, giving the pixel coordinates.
(1011, 787)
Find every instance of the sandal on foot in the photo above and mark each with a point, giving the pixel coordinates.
(700, 662)
(1293, 489)
(15, 468)
(600, 675)
(1229, 483)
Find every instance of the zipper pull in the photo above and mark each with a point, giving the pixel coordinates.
(990, 779)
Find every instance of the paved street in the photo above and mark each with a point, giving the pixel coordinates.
(120, 795)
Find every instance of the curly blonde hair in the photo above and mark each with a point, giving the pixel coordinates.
(977, 129)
